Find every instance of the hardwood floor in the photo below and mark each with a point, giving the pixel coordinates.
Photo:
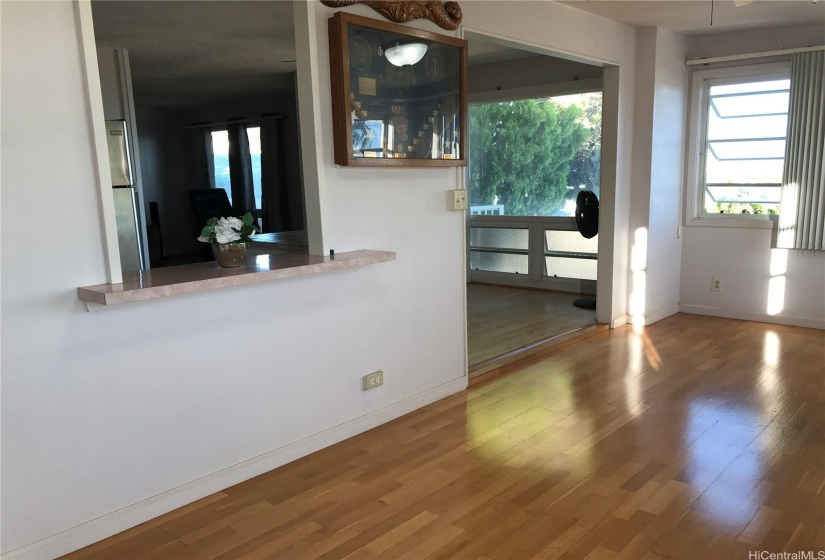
(501, 319)
(696, 438)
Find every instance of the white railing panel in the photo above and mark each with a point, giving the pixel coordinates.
(534, 251)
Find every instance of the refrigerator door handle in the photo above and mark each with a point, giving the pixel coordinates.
(119, 162)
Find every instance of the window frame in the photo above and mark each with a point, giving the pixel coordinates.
(701, 80)
(212, 131)
(252, 123)
(543, 92)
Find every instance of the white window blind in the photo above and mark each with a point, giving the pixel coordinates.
(802, 220)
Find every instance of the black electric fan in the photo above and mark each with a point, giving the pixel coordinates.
(587, 220)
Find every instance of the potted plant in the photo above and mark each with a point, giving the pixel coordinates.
(228, 238)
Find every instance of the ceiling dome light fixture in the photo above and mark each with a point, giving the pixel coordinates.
(405, 54)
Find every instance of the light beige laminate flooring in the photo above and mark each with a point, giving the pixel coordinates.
(501, 319)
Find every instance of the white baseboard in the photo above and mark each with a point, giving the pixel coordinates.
(650, 318)
(752, 316)
(619, 321)
(130, 516)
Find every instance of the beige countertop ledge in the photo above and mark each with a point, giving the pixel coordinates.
(261, 266)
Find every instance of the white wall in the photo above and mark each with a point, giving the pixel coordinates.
(526, 72)
(644, 98)
(104, 410)
(666, 181)
(657, 175)
(120, 415)
(742, 257)
(761, 40)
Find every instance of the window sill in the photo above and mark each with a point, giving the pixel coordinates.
(262, 265)
(730, 222)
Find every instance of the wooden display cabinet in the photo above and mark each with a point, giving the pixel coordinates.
(399, 95)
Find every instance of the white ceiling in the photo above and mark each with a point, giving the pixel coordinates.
(194, 53)
(692, 17)
(191, 53)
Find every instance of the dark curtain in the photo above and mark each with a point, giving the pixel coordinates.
(275, 198)
(240, 171)
(200, 158)
(200, 163)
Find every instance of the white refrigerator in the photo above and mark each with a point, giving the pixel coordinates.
(123, 189)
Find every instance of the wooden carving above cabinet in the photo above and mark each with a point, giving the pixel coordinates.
(446, 15)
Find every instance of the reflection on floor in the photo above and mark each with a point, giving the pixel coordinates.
(695, 438)
(501, 319)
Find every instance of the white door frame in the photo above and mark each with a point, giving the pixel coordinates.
(607, 203)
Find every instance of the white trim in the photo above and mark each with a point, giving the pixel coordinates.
(752, 316)
(753, 222)
(780, 52)
(523, 45)
(483, 220)
(97, 124)
(612, 266)
(461, 178)
(125, 70)
(534, 92)
(650, 318)
(566, 223)
(694, 169)
(130, 516)
(609, 278)
(618, 321)
(311, 131)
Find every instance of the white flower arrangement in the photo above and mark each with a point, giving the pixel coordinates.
(229, 230)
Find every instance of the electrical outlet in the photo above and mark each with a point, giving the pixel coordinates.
(716, 285)
(373, 380)
(459, 199)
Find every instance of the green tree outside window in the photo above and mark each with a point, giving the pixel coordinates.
(521, 153)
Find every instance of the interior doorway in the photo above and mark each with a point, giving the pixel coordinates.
(534, 145)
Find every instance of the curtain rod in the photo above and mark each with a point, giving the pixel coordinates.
(780, 52)
(208, 124)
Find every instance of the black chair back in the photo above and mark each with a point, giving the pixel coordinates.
(209, 203)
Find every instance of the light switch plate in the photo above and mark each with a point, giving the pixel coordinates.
(459, 199)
